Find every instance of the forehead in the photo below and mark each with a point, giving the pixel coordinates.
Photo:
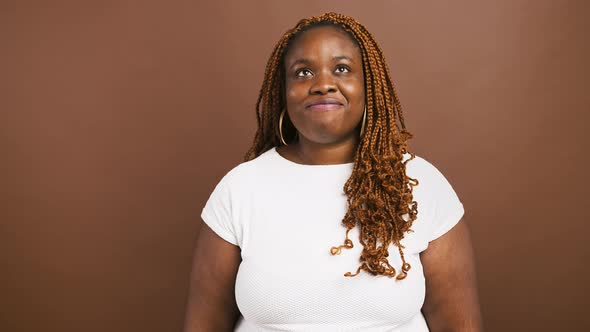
(322, 41)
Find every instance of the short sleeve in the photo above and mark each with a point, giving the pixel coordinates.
(217, 212)
(448, 209)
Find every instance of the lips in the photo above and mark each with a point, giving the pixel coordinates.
(324, 104)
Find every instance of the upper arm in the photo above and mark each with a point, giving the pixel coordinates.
(211, 303)
(451, 302)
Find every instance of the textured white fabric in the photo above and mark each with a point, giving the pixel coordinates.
(285, 217)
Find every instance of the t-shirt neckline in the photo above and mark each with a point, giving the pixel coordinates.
(306, 166)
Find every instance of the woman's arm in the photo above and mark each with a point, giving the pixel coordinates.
(451, 302)
(211, 302)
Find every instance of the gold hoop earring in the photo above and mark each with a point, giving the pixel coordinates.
(281, 126)
(363, 123)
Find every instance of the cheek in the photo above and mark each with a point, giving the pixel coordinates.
(355, 91)
(290, 94)
(295, 92)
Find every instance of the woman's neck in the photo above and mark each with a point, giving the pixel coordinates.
(312, 153)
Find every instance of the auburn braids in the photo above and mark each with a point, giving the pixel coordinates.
(379, 193)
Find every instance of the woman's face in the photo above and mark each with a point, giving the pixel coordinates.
(325, 90)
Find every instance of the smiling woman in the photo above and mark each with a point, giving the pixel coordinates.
(331, 151)
(324, 81)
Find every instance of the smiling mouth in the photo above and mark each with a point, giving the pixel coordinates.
(324, 107)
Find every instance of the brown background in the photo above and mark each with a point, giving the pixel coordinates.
(118, 118)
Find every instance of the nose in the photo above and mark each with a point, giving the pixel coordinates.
(323, 84)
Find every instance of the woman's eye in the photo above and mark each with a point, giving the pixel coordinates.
(303, 72)
(342, 69)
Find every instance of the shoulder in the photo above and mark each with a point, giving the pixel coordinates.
(439, 205)
(246, 172)
(430, 178)
(419, 165)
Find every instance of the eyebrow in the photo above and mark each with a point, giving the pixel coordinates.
(342, 57)
(307, 61)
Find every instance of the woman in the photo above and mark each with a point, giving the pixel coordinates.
(330, 165)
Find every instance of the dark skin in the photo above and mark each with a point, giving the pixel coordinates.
(451, 302)
(211, 302)
(324, 63)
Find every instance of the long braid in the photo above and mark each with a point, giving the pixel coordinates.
(379, 192)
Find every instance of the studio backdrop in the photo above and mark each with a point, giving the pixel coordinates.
(117, 118)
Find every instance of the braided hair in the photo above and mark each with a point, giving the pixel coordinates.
(379, 193)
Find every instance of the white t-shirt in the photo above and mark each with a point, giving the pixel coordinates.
(285, 217)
